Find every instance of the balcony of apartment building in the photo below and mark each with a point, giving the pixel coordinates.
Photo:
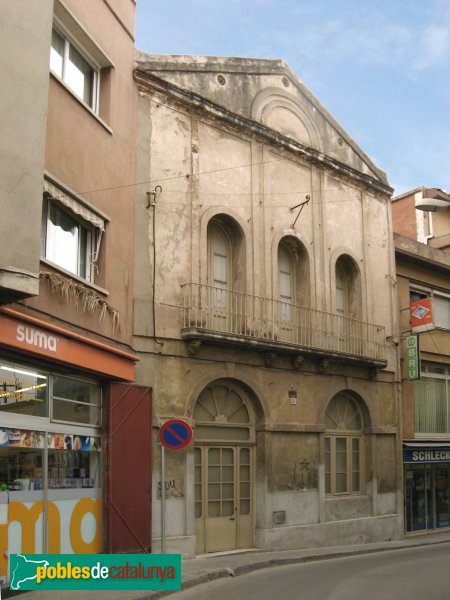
(222, 316)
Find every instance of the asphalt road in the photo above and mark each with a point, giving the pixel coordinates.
(421, 573)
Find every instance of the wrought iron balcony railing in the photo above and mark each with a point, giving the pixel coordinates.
(225, 315)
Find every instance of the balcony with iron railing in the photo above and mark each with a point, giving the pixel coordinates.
(228, 317)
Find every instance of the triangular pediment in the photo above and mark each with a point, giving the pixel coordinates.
(267, 92)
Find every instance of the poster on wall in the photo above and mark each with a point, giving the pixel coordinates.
(67, 441)
(25, 438)
(21, 438)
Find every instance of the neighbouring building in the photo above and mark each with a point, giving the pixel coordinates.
(423, 284)
(423, 214)
(66, 283)
(265, 311)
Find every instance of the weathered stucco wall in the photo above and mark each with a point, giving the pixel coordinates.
(203, 169)
(24, 62)
(209, 164)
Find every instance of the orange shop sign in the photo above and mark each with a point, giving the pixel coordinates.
(25, 333)
(421, 313)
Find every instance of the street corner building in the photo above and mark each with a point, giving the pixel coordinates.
(423, 282)
(66, 360)
(264, 311)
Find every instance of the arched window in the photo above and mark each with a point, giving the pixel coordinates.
(348, 288)
(226, 275)
(286, 283)
(341, 291)
(219, 265)
(343, 446)
(293, 293)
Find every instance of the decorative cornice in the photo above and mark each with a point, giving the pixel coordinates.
(198, 104)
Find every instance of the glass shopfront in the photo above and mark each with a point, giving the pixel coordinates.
(427, 490)
(50, 462)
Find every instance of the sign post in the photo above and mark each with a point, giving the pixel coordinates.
(174, 434)
(163, 500)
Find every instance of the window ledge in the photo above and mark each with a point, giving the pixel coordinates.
(84, 282)
(346, 497)
(83, 104)
(432, 437)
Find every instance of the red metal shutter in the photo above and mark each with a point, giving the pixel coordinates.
(129, 469)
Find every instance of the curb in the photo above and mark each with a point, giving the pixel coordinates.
(225, 572)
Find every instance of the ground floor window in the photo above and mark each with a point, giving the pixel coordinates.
(342, 464)
(343, 446)
(50, 463)
(427, 496)
(22, 462)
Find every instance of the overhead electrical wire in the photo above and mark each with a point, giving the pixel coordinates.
(192, 175)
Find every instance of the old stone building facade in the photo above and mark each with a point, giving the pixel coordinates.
(264, 311)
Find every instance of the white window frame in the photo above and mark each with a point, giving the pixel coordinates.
(89, 248)
(63, 76)
(426, 373)
(430, 292)
(441, 324)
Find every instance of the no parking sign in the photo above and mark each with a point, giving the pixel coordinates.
(175, 434)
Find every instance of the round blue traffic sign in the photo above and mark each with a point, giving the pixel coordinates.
(175, 434)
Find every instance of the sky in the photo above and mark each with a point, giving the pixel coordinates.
(381, 67)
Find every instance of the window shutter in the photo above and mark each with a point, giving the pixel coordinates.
(441, 311)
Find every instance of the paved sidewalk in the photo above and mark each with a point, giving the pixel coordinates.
(205, 568)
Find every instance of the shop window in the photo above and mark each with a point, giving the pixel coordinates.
(343, 446)
(73, 461)
(23, 390)
(431, 400)
(75, 401)
(21, 460)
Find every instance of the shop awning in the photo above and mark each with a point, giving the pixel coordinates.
(75, 205)
(434, 444)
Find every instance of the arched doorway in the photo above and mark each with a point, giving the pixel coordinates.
(224, 438)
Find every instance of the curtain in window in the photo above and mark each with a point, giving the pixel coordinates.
(441, 311)
(430, 406)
